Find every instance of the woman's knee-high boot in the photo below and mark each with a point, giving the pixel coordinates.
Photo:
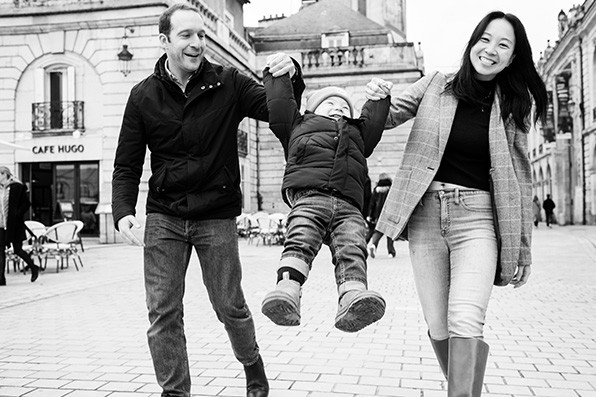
(441, 348)
(467, 362)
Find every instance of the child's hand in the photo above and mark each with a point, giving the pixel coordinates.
(378, 89)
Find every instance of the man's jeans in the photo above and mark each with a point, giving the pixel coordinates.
(318, 218)
(453, 249)
(168, 246)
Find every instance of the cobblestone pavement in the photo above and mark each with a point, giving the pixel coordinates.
(82, 333)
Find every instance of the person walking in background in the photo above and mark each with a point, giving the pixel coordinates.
(379, 195)
(536, 210)
(187, 113)
(15, 203)
(464, 189)
(324, 183)
(549, 207)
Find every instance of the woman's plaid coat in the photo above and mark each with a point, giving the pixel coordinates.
(434, 110)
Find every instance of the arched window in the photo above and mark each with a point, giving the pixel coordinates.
(55, 106)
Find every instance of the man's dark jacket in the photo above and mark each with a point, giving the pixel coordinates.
(548, 205)
(192, 138)
(18, 204)
(321, 152)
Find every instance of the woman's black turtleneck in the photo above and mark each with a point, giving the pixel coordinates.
(466, 160)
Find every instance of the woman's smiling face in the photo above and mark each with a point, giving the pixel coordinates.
(494, 51)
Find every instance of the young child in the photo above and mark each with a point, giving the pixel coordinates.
(325, 151)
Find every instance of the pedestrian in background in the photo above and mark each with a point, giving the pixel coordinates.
(324, 183)
(377, 201)
(536, 210)
(187, 113)
(15, 203)
(464, 188)
(549, 207)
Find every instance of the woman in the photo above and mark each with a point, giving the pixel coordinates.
(537, 210)
(463, 189)
(14, 204)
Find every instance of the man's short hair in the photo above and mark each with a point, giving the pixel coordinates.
(165, 19)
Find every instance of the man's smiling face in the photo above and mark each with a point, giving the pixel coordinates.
(185, 45)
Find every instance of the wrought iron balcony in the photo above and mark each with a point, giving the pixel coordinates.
(58, 116)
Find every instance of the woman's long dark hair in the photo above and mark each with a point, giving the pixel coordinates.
(516, 82)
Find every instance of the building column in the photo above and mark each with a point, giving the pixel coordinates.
(562, 192)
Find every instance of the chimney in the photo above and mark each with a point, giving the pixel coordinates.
(306, 3)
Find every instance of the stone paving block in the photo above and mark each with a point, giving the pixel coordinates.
(48, 383)
(530, 382)
(541, 375)
(378, 381)
(88, 393)
(154, 388)
(569, 384)
(297, 376)
(318, 386)
(120, 386)
(422, 384)
(510, 389)
(9, 391)
(585, 393)
(84, 384)
(399, 392)
(117, 377)
(355, 389)
(550, 392)
(41, 392)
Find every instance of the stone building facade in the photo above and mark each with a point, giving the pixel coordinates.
(67, 67)
(563, 150)
(63, 92)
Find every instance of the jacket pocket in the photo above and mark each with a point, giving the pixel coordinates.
(157, 180)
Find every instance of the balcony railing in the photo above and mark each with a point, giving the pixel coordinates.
(242, 143)
(333, 57)
(58, 116)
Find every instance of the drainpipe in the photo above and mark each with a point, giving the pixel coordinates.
(582, 115)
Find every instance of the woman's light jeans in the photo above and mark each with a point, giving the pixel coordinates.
(453, 249)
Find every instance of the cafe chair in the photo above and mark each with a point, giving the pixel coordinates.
(34, 230)
(60, 242)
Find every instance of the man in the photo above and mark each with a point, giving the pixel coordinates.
(377, 201)
(15, 203)
(549, 206)
(187, 114)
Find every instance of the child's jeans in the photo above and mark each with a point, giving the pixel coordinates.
(320, 218)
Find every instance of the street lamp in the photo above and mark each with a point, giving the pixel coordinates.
(125, 56)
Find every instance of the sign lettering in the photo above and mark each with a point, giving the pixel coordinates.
(58, 149)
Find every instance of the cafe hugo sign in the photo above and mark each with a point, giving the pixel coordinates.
(58, 149)
(63, 148)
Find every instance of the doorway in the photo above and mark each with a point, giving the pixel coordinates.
(62, 191)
